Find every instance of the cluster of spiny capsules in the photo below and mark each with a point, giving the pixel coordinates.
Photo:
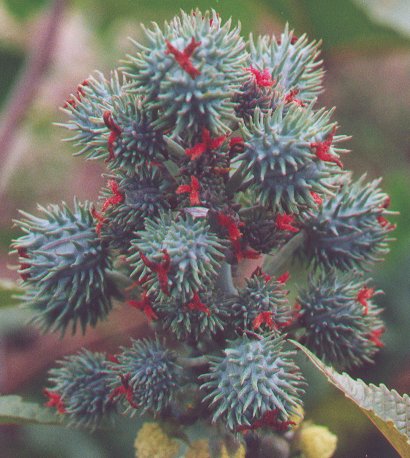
(217, 156)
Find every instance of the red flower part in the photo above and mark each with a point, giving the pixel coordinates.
(284, 223)
(22, 252)
(385, 223)
(100, 220)
(160, 268)
(322, 149)
(375, 337)
(112, 358)
(221, 170)
(284, 277)
(291, 97)
(294, 317)
(183, 57)
(115, 133)
(196, 304)
(116, 198)
(362, 296)
(258, 272)
(80, 93)
(230, 225)
(293, 40)
(236, 144)
(318, 200)
(262, 78)
(54, 400)
(145, 306)
(269, 419)
(263, 318)
(192, 189)
(124, 390)
(207, 144)
(242, 253)
(387, 202)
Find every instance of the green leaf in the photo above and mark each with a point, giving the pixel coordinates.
(13, 410)
(389, 411)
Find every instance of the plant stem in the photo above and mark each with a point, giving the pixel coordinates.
(224, 282)
(274, 264)
(193, 362)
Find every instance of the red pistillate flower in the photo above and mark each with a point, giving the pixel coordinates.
(385, 223)
(183, 57)
(54, 400)
(322, 149)
(284, 277)
(258, 272)
(112, 359)
(375, 337)
(144, 305)
(269, 419)
(262, 78)
(230, 225)
(192, 189)
(284, 223)
(196, 304)
(362, 296)
(291, 97)
(115, 133)
(236, 145)
(243, 253)
(387, 202)
(160, 268)
(207, 144)
(22, 252)
(116, 198)
(318, 200)
(293, 40)
(100, 220)
(80, 93)
(124, 390)
(294, 317)
(263, 318)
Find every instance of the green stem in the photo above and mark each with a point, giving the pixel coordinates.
(274, 264)
(224, 282)
(235, 182)
(193, 362)
(176, 150)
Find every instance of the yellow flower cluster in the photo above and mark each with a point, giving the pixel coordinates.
(152, 442)
(200, 449)
(317, 441)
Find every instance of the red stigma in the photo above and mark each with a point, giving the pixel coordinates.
(284, 223)
(72, 101)
(263, 318)
(362, 296)
(113, 359)
(293, 40)
(116, 198)
(115, 133)
(375, 337)
(294, 317)
(243, 253)
(322, 149)
(145, 306)
(318, 200)
(258, 272)
(387, 202)
(183, 57)
(262, 78)
(385, 223)
(269, 419)
(207, 144)
(22, 252)
(124, 390)
(283, 278)
(192, 189)
(196, 304)
(100, 220)
(236, 145)
(160, 268)
(230, 225)
(54, 400)
(291, 97)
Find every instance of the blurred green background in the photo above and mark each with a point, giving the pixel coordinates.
(366, 52)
